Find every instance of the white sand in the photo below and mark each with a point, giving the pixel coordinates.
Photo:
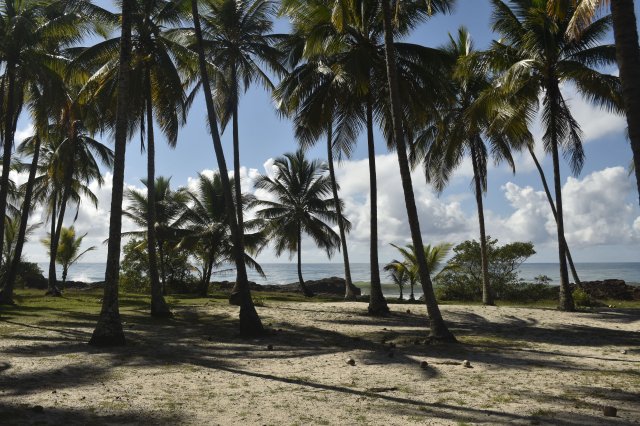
(529, 366)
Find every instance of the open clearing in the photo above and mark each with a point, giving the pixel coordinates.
(528, 365)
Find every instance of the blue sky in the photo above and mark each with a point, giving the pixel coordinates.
(605, 224)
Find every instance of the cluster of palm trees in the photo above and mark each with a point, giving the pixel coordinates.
(341, 71)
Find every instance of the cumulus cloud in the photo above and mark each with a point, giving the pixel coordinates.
(597, 211)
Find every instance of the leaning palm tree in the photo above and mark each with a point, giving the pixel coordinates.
(463, 126)
(537, 58)
(29, 144)
(205, 229)
(157, 92)
(625, 33)
(239, 43)
(300, 189)
(438, 328)
(68, 249)
(108, 331)
(250, 324)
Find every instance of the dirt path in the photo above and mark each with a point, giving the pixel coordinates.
(528, 366)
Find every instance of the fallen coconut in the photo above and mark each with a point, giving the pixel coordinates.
(466, 364)
(424, 364)
(351, 361)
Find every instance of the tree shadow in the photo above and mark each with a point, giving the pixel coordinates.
(21, 414)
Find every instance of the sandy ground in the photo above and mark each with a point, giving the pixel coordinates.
(528, 366)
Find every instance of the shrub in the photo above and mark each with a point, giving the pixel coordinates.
(582, 299)
(134, 273)
(461, 279)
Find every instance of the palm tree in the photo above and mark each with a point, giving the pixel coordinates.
(433, 255)
(537, 57)
(439, 330)
(300, 188)
(70, 162)
(348, 44)
(206, 230)
(625, 33)
(108, 331)
(461, 127)
(238, 42)
(6, 295)
(158, 92)
(313, 93)
(547, 192)
(68, 250)
(250, 324)
(169, 206)
(34, 34)
(399, 274)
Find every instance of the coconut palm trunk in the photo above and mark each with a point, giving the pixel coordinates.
(235, 292)
(250, 324)
(159, 307)
(487, 293)
(574, 272)
(56, 229)
(6, 295)
(625, 33)
(8, 146)
(108, 331)
(438, 328)
(303, 287)
(52, 281)
(377, 302)
(349, 287)
(566, 299)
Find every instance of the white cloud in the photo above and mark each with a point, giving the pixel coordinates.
(597, 211)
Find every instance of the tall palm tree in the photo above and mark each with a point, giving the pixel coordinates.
(6, 296)
(625, 33)
(537, 57)
(34, 33)
(250, 324)
(462, 126)
(158, 92)
(350, 46)
(70, 162)
(238, 42)
(108, 331)
(206, 230)
(438, 328)
(300, 188)
(68, 250)
(313, 94)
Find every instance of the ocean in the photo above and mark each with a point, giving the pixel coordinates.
(283, 273)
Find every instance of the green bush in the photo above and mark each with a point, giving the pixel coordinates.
(582, 299)
(134, 271)
(461, 279)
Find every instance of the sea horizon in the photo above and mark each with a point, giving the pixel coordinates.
(284, 273)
